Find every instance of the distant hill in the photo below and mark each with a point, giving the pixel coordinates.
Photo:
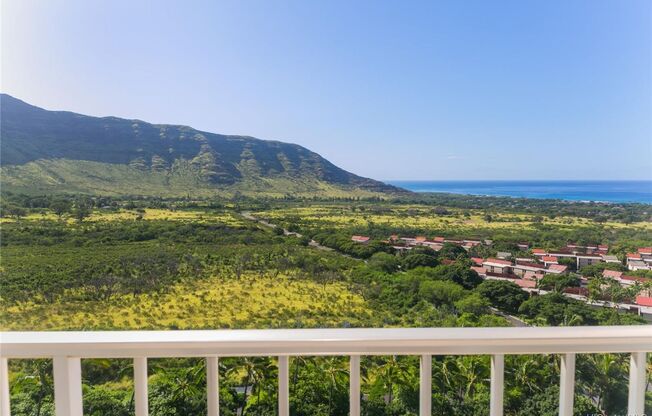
(45, 151)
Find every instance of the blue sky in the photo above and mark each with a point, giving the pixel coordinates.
(386, 89)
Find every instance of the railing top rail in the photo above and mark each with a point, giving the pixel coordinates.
(349, 341)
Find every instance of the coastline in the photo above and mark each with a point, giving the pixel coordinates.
(586, 191)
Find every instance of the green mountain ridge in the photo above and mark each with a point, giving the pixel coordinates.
(44, 151)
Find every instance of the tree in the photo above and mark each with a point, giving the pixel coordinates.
(82, 210)
(556, 309)
(441, 292)
(452, 252)
(504, 295)
(385, 262)
(569, 262)
(60, 207)
(16, 211)
(418, 260)
(558, 282)
(474, 304)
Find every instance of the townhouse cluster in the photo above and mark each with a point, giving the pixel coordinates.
(527, 271)
(641, 260)
(522, 271)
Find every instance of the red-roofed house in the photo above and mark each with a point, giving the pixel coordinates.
(612, 274)
(633, 256)
(557, 268)
(587, 260)
(477, 260)
(526, 283)
(360, 239)
(602, 247)
(497, 266)
(532, 275)
(539, 252)
(439, 240)
(645, 250)
(479, 270)
(420, 239)
(521, 267)
(630, 280)
(548, 260)
(644, 300)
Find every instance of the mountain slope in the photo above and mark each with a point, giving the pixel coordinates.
(58, 151)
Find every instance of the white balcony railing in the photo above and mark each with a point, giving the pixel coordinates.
(68, 348)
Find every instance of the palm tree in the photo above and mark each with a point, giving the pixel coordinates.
(392, 372)
(336, 373)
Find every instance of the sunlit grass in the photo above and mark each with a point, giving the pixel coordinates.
(423, 217)
(248, 302)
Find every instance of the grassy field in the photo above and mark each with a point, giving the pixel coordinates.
(197, 215)
(423, 217)
(214, 303)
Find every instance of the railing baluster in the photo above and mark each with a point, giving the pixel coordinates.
(5, 409)
(67, 386)
(213, 386)
(567, 385)
(637, 381)
(283, 386)
(140, 386)
(354, 385)
(425, 386)
(497, 386)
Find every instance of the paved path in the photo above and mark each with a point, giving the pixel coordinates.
(312, 243)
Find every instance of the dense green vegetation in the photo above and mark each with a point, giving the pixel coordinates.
(104, 263)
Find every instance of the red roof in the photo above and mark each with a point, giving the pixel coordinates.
(477, 260)
(503, 275)
(530, 264)
(538, 251)
(420, 238)
(526, 283)
(635, 278)
(498, 261)
(633, 256)
(360, 238)
(479, 270)
(558, 267)
(644, 300)
(613, 274)
(549, 259)
(645, 250)
(439, 239)
(603, 247)
(532, 275)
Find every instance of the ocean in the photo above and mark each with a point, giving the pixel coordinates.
(602, 191)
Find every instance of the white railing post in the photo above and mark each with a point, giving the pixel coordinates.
(67, 386)
(213, 386)
(283, 386)
(5, 409)
(425, 386)
(566, 384)
(140, 386)
(354, 385)
(497, 384)
(636, 402)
